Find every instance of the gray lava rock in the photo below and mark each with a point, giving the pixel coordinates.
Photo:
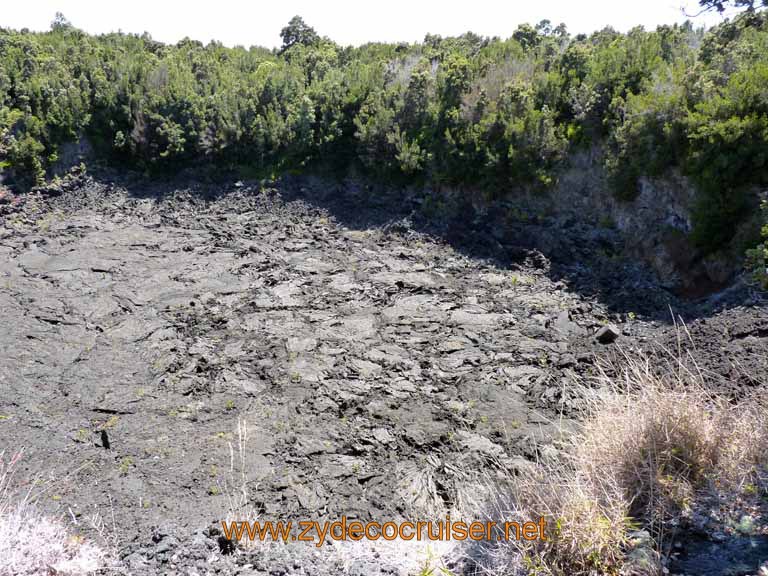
(607, 334)
(642, 558)
(480, 445)
(564, 325)
(279, 343)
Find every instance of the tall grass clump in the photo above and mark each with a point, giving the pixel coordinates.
(656, 452)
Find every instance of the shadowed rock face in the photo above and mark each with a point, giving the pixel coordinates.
(656, 225)
(137, 332)
(735, 555)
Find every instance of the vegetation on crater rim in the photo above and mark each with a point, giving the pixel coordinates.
(490, 113)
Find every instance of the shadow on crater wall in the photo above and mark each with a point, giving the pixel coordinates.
(588, 259)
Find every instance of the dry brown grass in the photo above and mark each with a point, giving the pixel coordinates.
(667, 439)
(237, 485)
(656, 449)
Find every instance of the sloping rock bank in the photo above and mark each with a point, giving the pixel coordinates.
(371, 369)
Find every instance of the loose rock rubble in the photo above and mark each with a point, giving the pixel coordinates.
(377, 369)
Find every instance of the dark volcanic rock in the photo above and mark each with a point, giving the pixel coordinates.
(607, 334)
(252, 343)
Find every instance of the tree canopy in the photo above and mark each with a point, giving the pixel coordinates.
(722, 5)
(495, 114)
(298, 32)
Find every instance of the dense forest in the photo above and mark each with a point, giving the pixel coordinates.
(488, 113)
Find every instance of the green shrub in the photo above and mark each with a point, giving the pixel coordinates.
(650, 138)
(490, 113)
(757, 258)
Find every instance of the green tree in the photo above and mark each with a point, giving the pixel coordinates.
(722, 5)
(489, 113)
(60, 23)
(298, 32)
